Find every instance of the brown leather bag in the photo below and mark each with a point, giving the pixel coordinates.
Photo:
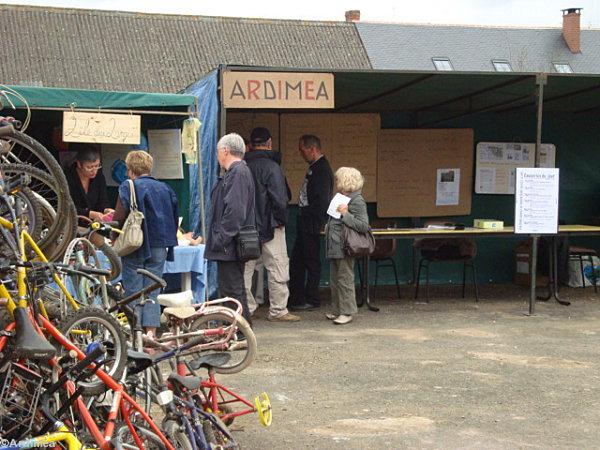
(357, 244)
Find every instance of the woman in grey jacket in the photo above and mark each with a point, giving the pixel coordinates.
(349, 182)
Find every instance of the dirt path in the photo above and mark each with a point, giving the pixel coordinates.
(447, 374)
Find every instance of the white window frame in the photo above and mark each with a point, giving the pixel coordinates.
(444, 66)
(562, 67)
(506, 66)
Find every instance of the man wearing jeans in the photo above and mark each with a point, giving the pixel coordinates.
(271, 212)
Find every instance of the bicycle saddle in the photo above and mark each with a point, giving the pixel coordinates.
(188, 382)
(27, 343)
(138, 361)
(176, 300)
(211, 360)
(183, 312)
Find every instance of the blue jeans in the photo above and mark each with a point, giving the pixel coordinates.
(134, 282)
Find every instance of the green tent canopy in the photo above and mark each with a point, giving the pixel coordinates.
(46, 97)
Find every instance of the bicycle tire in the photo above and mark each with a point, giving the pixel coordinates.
(175, 431)
(218, 317)
(26, 150)
(113, 259)
(217, 434)
(115, 344)
(122, 439)
(31, 218)
(55, 249)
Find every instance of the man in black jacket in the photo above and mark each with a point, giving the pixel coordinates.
(271, 201)
(232, 208)
(315, 195)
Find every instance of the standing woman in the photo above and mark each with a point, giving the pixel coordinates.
(157, 201)
(348, 181)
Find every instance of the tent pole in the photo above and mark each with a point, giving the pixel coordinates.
(117, 111)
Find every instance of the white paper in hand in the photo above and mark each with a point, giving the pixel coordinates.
(337, 200)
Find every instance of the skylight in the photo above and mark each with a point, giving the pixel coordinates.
(563, 67)
(442, 64)
(502, 66)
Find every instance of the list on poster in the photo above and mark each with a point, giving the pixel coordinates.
(536, 201)
(165, 148)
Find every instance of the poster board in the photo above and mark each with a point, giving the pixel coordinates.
(165, 148)
(536, 200)
(346, 140)
(243, 123)
(413, 167)
(101, 128)
(496, 164)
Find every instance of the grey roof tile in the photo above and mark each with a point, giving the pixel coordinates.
(111, 50)
(471, 48)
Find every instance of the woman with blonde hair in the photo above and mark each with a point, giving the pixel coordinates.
(158, 202)
(348, 181)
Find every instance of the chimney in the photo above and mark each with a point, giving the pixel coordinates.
(571, 29)
(353, 15)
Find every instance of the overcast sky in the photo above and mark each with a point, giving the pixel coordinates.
(474, 12)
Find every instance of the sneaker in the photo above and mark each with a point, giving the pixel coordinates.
(331, 316)
(343, 319)
(285, 318)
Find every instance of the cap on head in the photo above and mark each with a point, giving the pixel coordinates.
(259, 135)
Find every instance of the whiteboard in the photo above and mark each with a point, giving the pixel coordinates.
(496, 164)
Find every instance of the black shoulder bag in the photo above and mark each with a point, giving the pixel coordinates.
(247, 243)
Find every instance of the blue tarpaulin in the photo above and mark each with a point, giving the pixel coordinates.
(208, 103)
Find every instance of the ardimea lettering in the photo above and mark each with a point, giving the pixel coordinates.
(279, 90)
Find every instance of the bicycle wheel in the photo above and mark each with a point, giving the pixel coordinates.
(177, 434)
(24, 204)
(217, 434)
(242, 345)
(90, 326)
(123, 439)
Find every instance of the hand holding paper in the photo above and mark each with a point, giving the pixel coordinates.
(337, 200)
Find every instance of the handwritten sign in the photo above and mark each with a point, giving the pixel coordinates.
(165, 148)
(536, 201)
(101, 128)
(277, 90)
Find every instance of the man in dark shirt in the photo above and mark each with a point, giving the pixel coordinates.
(87, 184)
(314, 198)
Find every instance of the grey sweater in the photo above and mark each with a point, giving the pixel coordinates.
(356, 218)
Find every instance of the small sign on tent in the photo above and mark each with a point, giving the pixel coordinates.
(101, 128)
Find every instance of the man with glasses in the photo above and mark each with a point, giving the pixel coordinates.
(87, 184)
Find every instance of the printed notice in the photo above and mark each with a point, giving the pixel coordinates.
(447, 187)
(536, 201)
(165, 148)
(337, 200)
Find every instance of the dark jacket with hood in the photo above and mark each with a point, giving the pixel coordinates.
(271, 197)
(232, 208)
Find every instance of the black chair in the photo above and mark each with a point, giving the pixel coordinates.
(434, 250)
(383, 256)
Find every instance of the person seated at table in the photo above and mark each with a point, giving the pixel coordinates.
(87, 184)
(349, 182)
(158, 202)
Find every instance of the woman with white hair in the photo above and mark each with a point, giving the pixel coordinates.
(348, 181)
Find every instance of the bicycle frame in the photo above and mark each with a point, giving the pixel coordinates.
(62, 435)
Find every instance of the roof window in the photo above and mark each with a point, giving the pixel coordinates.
(442, 64)
(502, 66)
(562, 67)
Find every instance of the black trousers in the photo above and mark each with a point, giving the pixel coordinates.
(305, 269)
(231, 283)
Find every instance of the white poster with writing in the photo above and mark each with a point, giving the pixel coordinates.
(447, 187)
(165, 148)
(536, 201)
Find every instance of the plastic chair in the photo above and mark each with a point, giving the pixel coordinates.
(446, 250)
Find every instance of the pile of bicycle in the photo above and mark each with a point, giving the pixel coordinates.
(76, 369)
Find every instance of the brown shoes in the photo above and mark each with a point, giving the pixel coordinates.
(285, 318)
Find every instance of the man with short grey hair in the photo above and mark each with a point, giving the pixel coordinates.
(232, 208)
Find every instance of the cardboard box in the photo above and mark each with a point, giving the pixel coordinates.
(488, 223)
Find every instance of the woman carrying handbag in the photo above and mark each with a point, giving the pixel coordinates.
(349, 182)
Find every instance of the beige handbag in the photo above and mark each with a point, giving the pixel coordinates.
(132, 237)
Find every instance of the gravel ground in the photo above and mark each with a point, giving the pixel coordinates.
(450, 373)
